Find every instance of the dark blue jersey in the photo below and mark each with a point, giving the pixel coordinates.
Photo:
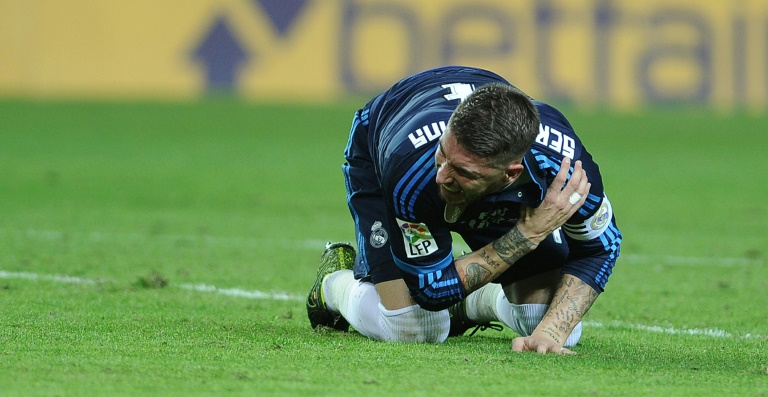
(405, 123)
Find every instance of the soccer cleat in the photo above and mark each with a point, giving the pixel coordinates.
(460, 323)
(337, 256)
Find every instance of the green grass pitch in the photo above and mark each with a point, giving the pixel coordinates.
(166, 248)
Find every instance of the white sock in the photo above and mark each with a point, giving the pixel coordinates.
(414, 324)
(527, 316)
(359, 303)
(481, 305)
(356, 301)
(490, 304)
(335, 286)
(574, 337)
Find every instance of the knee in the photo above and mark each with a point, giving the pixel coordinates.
(414, 324)
(431, 304)
(438, 290)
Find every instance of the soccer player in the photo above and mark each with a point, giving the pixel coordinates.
(460, 151)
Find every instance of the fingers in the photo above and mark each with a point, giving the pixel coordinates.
(583, 182)
(528, 343)
(563, 198)
(575, 191)
(578, 178)
(562, 176)
(565, 351)
(518, 344)
(582, 192)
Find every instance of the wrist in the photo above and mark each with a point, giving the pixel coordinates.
(512, 246)
(548, 333)
(532, 237)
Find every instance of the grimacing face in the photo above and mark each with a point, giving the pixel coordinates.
(464, 177)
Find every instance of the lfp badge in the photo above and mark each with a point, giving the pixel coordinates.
(417, 238)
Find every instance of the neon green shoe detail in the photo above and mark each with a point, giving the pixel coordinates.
(337, 256)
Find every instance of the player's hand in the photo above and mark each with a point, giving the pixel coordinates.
(562, 200)
(540, 345)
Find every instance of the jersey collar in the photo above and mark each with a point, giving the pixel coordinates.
(529, 189)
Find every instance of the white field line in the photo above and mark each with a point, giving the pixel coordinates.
(44, 277)
(108, 237)
(241, 293)
(715, 333)
(675, 260)
(255, 294)
(318, 245)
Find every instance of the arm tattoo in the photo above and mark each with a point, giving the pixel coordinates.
(512, 246)
(487, 258)
(477, 276)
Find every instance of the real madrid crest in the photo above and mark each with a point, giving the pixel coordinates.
(602, 216)
(379, 236)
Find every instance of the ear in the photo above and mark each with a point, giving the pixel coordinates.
(513, 171)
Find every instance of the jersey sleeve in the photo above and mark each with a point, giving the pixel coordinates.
(593, 237)
(421, 242)
(414, 114)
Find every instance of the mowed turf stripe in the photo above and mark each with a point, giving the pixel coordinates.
(95, 236)
(318, 244)
(255, 294)
(241, 293)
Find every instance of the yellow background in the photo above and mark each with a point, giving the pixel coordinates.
(143, 48)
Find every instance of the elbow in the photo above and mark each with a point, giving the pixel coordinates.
(439, 290)
(432, 303)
